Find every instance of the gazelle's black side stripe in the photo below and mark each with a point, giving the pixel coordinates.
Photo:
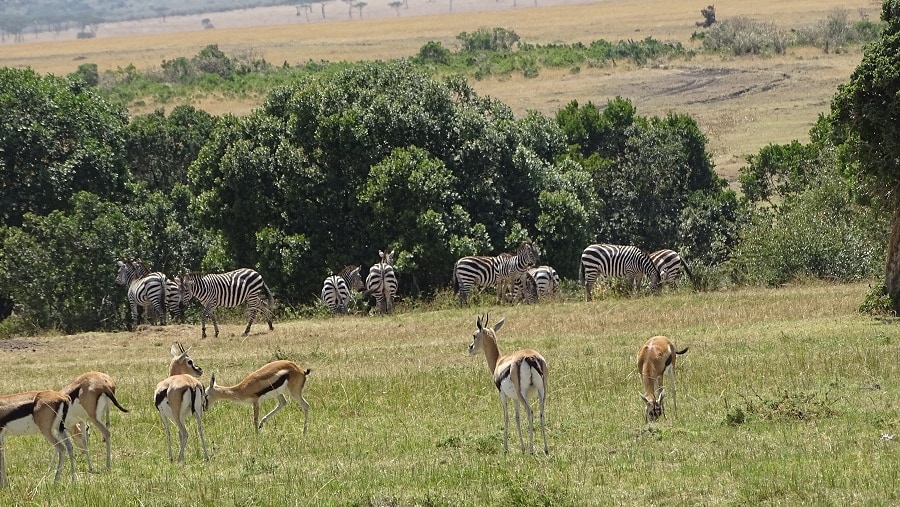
(274, 385)
(22, 411)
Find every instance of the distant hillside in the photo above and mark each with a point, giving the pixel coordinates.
(18, 18)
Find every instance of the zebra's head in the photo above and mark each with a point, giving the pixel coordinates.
(386, 258)
(188, 282)
(353, 277)
(528, 253)
(130, 270)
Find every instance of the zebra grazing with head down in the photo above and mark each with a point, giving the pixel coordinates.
(616, 260)
(670, 266)
(382, 282)
(500, 271)
(336, 289)
(230, 289)
(176, 299)
(536, 283)
(145, 289)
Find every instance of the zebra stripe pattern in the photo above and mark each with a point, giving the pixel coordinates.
(230, 289)
(145, 290)
(671, 266)
(382, 283)
(176, 299)
(336, 289)
(539, 282)
(500, 271)
(616, 260)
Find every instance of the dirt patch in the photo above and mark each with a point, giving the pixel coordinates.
(19, 345)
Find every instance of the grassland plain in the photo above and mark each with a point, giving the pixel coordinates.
(786, 397)
(741, 104)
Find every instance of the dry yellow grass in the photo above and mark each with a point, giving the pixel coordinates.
(741, 104)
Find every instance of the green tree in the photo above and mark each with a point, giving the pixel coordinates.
(159, 149)
(864, 116)
(778, 171)
(56, 138)
(60, 268)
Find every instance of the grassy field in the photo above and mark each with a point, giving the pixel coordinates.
(786, 397)
(742, 104)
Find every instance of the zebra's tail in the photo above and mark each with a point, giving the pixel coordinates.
(687, 271)
(455, 282)
(581, 273)
(270, 299)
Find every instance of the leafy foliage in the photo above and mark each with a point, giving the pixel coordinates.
(56, 138)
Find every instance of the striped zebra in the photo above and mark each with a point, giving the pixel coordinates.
(230, 289)
(145, 289)
(176, 299)
(336, 289)
(500, 271)
(670, 265)
(382, 283)
(536, 283)
(616, 260)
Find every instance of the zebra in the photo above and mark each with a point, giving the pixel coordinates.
(176, 298)
(145, 289)
(382, 282)
(542, 281)
(500, 271)
(229, 290)
(670, 266)
(616, 260)
(336, 289)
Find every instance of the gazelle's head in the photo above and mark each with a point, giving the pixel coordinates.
(654, 407)
(181, 363)
(211, 394)
(483, 333)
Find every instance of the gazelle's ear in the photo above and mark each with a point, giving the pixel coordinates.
(478, 323)
(643, 398)
(660, 396)
(175, 350)
(499, 324)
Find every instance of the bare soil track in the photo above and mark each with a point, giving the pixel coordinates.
(741, 104)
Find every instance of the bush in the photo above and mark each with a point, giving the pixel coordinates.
(742, 36)
(820, 233)
(434, 52)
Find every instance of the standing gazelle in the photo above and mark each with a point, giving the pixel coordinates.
(517, 375)
(33, 412)
(274, 379)
(655, 358)
(180, 395)
(91, 394)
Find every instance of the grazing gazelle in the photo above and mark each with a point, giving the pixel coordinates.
(274, 379)
(33, 412)
(655, 358)
(180, 395)
(517, 375)
(91, 394)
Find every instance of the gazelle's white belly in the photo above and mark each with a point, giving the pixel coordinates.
(22, 426)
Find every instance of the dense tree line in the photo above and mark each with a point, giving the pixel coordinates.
(340, 164)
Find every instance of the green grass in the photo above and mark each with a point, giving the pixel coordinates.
(784, 398)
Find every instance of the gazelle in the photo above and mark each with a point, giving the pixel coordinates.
(655, 358)
(180, 395)
(33, 412)
(277, 378)
(91, 393)
(517, 375)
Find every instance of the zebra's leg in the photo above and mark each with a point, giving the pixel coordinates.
(252, 312)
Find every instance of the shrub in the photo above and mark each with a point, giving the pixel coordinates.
(742, 36)
(434, 52)
(820, 233)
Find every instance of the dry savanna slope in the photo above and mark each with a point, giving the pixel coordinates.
(741, 104)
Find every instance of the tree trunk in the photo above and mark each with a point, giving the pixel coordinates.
(892, 268)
